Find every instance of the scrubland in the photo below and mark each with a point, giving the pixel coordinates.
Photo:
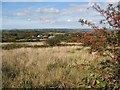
(65, 66)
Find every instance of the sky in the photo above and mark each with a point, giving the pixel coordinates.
(39, 15)
(59, 0)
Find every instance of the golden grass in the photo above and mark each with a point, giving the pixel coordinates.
(0, 68)
(28, 43)
(36, 67)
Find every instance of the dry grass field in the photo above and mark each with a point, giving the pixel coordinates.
(64, 66)
(28, 43)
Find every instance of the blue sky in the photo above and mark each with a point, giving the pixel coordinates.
(30, 15)
(60, 0)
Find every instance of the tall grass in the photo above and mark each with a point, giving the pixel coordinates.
(0, 68)
(47, 67)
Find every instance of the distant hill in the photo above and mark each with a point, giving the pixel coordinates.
(56, 29)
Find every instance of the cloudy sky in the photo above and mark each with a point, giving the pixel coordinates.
(29, 15)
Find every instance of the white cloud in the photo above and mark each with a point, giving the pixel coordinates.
(44, 16)
(27, 12)
(20, 14)
(47, 10)
(23, 13)
(53, 15)
(68, 20)
(29, 19)
(76, 8)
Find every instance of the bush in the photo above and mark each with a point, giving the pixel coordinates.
(53, 41)
(102, 39)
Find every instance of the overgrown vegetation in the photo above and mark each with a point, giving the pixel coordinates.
(53, 41)
(93, 64)
(50, 67)
(100, 39)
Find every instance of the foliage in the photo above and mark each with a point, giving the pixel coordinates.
(97, 39)
(53, 41)
(102, 40)
(70, 36)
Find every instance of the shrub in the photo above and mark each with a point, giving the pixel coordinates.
(53, 41)
(103, 39)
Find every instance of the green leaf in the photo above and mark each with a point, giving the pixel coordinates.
(97, 81)
(103, 84)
